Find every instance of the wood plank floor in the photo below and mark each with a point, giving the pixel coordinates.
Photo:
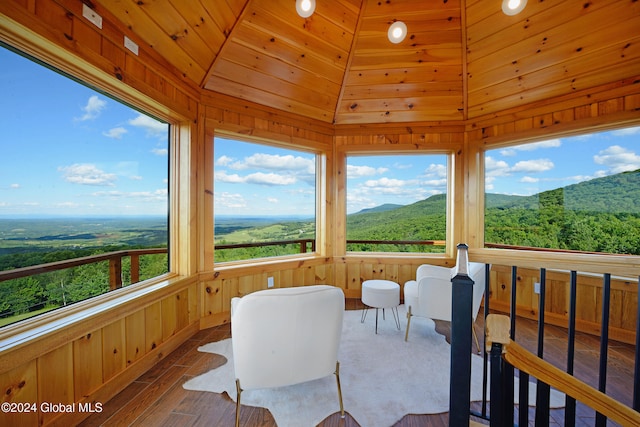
(157, 398)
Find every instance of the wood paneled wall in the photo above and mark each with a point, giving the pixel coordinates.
(98, 56)
(82, 356)
(623, 304)
(84, 364)
(563, 47)
(97, 356)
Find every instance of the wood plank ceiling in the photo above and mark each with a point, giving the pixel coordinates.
(460, 60)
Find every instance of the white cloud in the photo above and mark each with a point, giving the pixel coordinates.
(407, 189)
(260, 178)
(495, 167)
(272, 200)
(439, 171)
(151, 126)
(224, 161)
(140, 196)
(14, 186)
(386, 182)
(533, 166)
(222, 176)
(529, 179)
(115, 133)
(160, 151)
(87, 174)
(271, 162)
(230, 200)
(361, 171)
(551, 143)
(269, 179)
(93, 108)
(627, 131)
(618, 159)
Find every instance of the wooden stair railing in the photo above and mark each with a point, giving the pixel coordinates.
(498, 339)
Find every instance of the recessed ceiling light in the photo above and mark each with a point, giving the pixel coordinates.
(397, 32)
(513, 7)
(305, 8)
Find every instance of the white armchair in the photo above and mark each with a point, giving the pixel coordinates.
(430, 294)
(286, 336)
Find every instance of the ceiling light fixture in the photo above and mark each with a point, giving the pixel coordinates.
(513, 7)
(397, 32)
(305, 8)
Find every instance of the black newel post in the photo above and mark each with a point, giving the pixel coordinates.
(461, 323)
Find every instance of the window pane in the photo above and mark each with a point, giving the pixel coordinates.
(580, 193)
(397, 203)
(80, 174)
(264, 200)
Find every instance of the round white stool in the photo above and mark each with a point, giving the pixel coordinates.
(381, 294)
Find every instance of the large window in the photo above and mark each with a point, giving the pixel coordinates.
(264, 200)
(580, 193)
(397, 203)
(81, 175)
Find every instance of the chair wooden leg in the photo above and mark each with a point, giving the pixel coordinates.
(406, 334)
(339, 389)
(475, 336)
(239, 392)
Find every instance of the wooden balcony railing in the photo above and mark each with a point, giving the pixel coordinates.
(115, 265)
(310, 244)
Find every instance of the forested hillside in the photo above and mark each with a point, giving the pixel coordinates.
(35, 241)
(600, 215)
(423, 220)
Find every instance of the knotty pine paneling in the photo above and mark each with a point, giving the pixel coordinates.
(549, 50)
(223, 113)
(113, 348)
(61, 23)
(612, 104)
(135, 327)
(96, 365)
(347, 273)
(623, 304)
(87, 364)
(20, 385)
(55, 380)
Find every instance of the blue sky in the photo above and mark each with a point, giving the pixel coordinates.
(68, 150)
(546, 165)
(252, 178)
(257, 179)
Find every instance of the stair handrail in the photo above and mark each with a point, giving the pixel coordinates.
(497, 333)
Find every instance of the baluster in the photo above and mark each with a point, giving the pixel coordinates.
(636, 371)
(543, 390)
(601, 420)
(115, 272)
(570, 402)
(135, 268)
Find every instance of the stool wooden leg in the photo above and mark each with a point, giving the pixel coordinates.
(406, 335)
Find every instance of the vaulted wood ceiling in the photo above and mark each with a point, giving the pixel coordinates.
(461, 59)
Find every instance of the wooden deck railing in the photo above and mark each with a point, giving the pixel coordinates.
(304, 243)
(115, 265)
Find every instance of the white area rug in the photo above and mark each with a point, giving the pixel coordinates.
(383, 377)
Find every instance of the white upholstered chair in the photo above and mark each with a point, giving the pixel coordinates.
(430, 294)
(286, 336)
